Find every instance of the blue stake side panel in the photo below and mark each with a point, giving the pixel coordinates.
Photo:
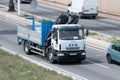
(45, 28)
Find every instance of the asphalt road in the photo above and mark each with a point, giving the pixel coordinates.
(95, 67)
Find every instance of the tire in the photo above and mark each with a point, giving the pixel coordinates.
(51, 57)
(27, 48)
(74, 19)
(109, 59)
(62, 19)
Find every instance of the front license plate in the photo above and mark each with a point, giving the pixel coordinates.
(73, 54)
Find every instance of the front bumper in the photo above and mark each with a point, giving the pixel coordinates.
(87, 15)
(26, 0)
(61, 56)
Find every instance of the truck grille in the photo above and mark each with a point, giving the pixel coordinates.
(72, 48)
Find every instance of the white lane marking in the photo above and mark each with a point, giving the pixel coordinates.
(100, 53)
(98, 64)
(8, 21)
(47, 66)
(52, 7)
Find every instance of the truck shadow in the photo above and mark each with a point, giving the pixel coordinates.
(86, 62)
(98, 17)
(6, 32)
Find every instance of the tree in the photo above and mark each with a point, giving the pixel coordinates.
(11, 6)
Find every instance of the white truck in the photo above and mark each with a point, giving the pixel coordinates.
(58, 42)
(83, 8)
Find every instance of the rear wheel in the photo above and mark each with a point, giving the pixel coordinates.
(27, 48)
(51, 57)
(109, 59)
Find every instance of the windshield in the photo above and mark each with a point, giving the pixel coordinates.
(70, 34)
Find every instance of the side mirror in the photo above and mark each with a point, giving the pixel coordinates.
(86, 33)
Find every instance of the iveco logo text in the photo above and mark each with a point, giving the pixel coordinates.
(73, 45)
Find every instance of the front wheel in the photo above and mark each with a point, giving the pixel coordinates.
(51, 57)
(109, 59)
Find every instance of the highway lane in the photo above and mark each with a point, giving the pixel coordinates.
(94, 67)
(101, 24)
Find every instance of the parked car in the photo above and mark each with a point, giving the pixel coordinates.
(28, 1)
(113, 53)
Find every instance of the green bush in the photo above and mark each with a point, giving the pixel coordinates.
(93, 33)
(114, 40)
(44, 20)
(26, 15)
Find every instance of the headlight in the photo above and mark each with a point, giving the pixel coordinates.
(60, 54)
(83, 53)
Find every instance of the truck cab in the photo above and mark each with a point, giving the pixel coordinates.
(67, 43)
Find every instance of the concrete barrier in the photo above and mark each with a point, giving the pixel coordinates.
(109, 6)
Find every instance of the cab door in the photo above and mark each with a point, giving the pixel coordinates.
(54, 41)
(115, 53)
(118, 53)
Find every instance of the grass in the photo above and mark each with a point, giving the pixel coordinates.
(93, 33)
(15, 68)
(26, 15)
(40, 20)
(104, 38)
(114, 40)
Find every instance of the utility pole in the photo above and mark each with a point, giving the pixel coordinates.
(18, 7)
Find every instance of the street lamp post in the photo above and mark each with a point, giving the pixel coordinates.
(18, 7)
